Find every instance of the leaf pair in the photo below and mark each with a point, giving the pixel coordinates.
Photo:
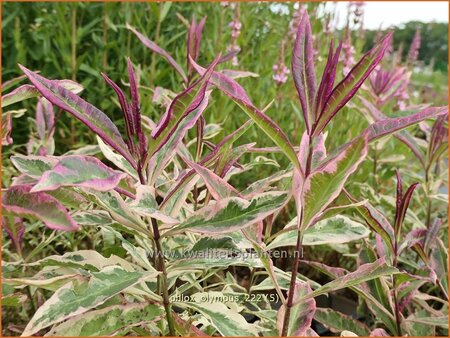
(50, 174)
(320, 105)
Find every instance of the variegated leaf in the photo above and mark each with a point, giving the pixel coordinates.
(227, 321)
(20, 201)
(302, 313)
(91, 116)
(335, 230)
(79, 171)
(72, 299)
(328, 179)
(231, 214)
(107, 321)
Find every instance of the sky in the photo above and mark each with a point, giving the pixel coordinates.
(396, 12)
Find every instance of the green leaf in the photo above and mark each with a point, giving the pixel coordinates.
(335, 230)
(337, 322)
(119, 210)
(72, 299)
(231, 214)
(14, 300)
(33, 166)
(365, 272)
(107, 321)
(89, 260)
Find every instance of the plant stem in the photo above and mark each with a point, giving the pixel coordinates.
(298, 253)
(394, 286)
(162, 278)
(161, 267)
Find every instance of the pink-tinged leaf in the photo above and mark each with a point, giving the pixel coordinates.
(15, 228)
(375, 220)
(439, 264)
(217, 186)
(302, 313)
(438, 143)
(25, 92)
(92, 117)
(181, 106)
(348, 87)
(79, 171)
(193, 41)
(229, 56)
(20, 201)
(328, 78)
(11, 83)
(364, 273)
(330, 271)
(126, 110)
(391, 125)
(45, 119)
(171, 141)
(328, 179)
(158, 50)
(379, 333)
(19, 94)
(188, 328)
(402, 135)
(403, 207)
(135, 100)
(432, 234)
(232, 89)
(217, 152)
(303, 70)
(298, 180)
(6, 129)
(136, 111)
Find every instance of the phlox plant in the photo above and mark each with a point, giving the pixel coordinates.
(163, 190)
